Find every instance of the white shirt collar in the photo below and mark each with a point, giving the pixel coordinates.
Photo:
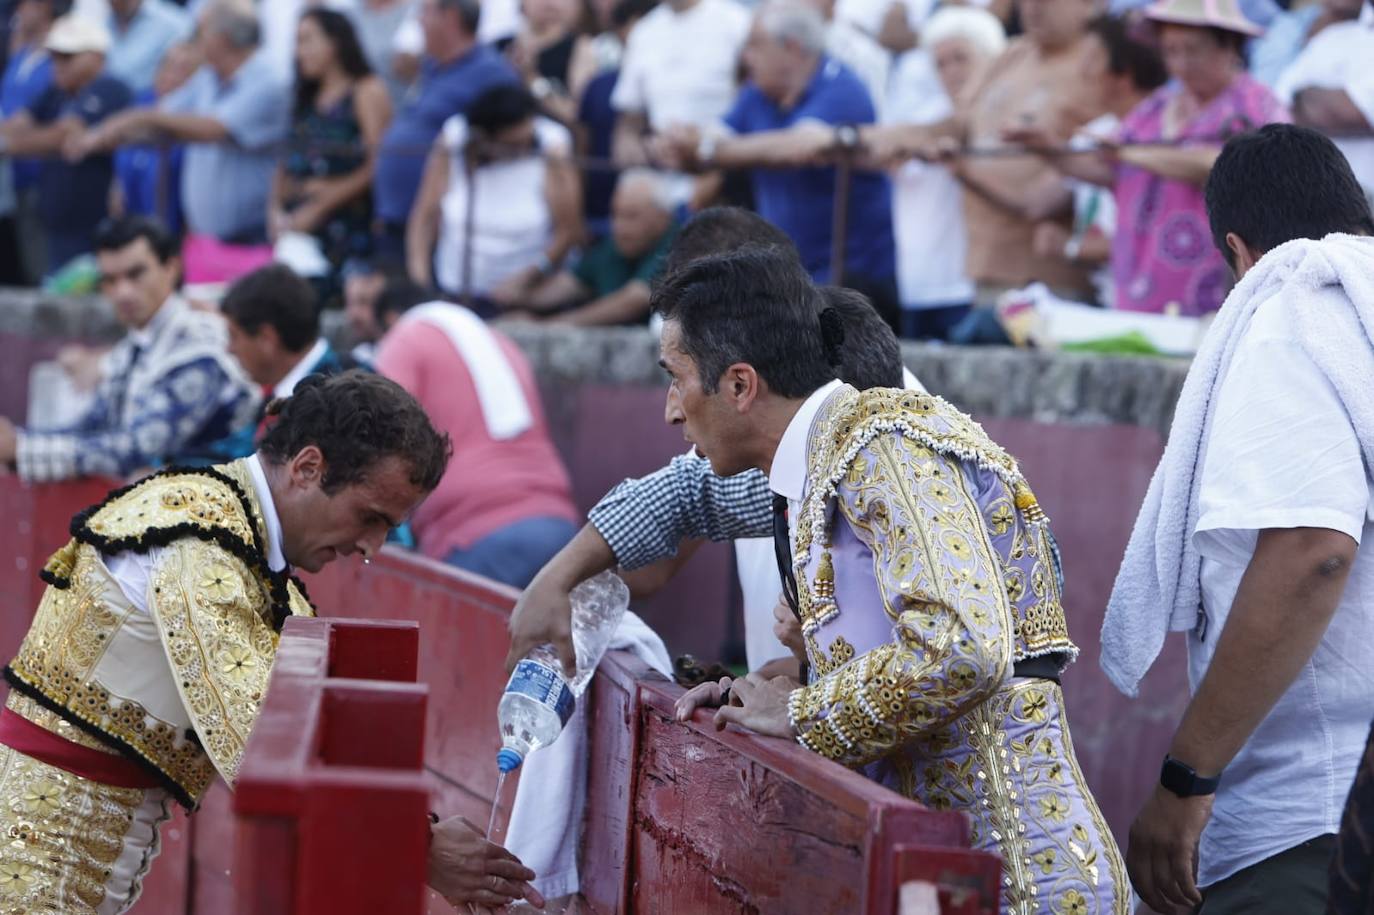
(788, 474)
(287, 386)
(911, 383)
(276, 559)
(144, 336)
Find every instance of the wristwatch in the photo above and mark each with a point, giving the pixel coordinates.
(1183, 780)
(847, 137)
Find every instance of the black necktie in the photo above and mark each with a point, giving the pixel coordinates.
(122, 392)
(782, 550)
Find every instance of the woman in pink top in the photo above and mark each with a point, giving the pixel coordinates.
(504, 507)
(1163, 256)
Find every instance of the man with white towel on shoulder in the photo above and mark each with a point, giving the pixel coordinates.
(1255, 539)
(506, 508)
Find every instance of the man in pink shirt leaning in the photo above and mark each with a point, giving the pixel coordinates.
(505, 507)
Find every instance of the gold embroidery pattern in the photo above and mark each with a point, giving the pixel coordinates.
(840, 654)
(48, 720)
(166, 501)
(219, 643)
(73, 627)
(61, 834)
(157, 742)
(932, 427)
(1011, 765)
(70, 633)
(940, 582)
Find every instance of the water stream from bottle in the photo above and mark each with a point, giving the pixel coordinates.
(495, 806)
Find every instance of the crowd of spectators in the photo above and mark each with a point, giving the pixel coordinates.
(963, 150)
(533, 160)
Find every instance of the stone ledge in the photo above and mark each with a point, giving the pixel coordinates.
(1077, 388)
(1081, 389)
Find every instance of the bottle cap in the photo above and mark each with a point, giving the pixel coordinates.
(508, 760)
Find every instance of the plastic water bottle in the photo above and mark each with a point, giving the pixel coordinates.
(538, 700)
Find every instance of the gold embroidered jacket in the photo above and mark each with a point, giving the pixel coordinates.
(912, 508)
(177, 688)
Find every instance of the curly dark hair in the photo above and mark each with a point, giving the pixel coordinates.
(356, 419)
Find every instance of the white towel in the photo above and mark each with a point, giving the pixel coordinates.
(504, 407)
(1158, 588)
(546, 819)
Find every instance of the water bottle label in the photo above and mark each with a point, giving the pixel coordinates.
(544, 685)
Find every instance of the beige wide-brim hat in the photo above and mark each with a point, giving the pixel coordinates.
(1217, 14)
(74, 34)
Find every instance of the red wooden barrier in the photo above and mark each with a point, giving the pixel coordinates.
(684, 819)
(331, 799)
(662, 834)
(680, 818)
(35, 521)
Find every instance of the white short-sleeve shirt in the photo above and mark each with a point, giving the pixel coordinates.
(1338, 57)
(681, 68)
(512, 224)
(1283, 453)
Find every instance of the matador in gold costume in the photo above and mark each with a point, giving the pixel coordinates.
(149, 656)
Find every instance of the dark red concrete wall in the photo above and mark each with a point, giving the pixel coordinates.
(1090, 479)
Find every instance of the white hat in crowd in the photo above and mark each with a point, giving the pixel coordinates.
(73, 34)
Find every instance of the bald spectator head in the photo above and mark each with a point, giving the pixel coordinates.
(784, 48)
(229, 34)
(962, 41)
(1055, 24)
(641, 212)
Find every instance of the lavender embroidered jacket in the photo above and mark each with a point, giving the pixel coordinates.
(926, 570)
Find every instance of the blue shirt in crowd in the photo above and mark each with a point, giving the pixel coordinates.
(27, 76)
(139, 170)
(801, 201)
(75, 195)
(224, 186)
(137, 49)
(441, 92)
(1281, 43)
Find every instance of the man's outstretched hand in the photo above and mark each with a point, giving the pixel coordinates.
(759, 704)
(543, 614)
(467, 870)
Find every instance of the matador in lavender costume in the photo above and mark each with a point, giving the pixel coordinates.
(926, 580)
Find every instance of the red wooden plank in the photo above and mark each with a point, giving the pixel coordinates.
(613, 742)
(968, 881)
(333, 770)
(216, 866)
(373, 724)
(463, 619)
(369, 650)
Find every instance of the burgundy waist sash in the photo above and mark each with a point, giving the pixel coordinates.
(20, 734)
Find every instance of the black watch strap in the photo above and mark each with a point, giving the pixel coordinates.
(1183, 780)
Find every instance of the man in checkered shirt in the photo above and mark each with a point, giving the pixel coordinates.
(643, 521)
